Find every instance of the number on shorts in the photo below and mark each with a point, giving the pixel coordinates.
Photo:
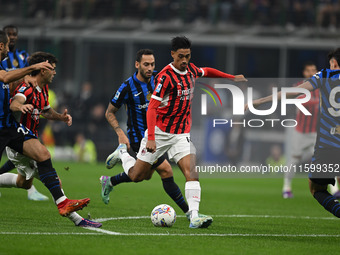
(22, 130)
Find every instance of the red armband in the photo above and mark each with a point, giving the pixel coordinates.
(214, 73)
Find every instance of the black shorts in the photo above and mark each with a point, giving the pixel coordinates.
(12, 137)
(134, 148)
(325, 166)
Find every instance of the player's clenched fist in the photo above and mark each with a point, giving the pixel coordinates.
(151, 146)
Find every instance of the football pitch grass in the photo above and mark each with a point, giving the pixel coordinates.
(250, 217)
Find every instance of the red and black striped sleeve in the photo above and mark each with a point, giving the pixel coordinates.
(198, 72)
(25, 91)
(163, 85)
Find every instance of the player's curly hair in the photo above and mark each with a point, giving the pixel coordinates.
(180, 42)
(40, 56)
(335, 54)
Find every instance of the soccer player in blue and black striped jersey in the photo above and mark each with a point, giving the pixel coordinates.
(136, 93)
(15, 58)
(326, 159)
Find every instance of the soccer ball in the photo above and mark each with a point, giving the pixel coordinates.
(163, 216)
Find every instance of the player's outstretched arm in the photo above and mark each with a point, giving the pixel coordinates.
(214, 73)
(14, 75)
(110, 115)
(306, 85)
(17, 105)
(51, 114)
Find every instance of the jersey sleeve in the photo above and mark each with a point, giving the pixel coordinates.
(198, 72)
(163, 85)
(120, 97)
(214, 73)
(316, 79)
(24, 90)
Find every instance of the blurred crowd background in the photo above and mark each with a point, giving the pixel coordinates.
(95, 42)
(248, 12)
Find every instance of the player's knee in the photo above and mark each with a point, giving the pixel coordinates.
(35, 150)
(165, 174)
(165, 170)
(43, 155)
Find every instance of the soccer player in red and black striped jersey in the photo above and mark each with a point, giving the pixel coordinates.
(30, 102)
(304, 135)
(169, 123)
(38, 97)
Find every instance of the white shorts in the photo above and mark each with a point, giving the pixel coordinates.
(303, 143)
(176, 145)
(25, 166)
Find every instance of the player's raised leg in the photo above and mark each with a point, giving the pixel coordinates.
(164, 170)
(48, 176)
(137, 170)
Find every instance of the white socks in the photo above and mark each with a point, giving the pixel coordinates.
(8, 180)
(75, 217)
(127, 160)
(193, 196)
